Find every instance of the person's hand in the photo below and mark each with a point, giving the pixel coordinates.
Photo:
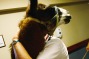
(87, 47)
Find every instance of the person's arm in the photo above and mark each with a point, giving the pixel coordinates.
(20, 50)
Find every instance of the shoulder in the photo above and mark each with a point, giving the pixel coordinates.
(56, 43)
(55, 40)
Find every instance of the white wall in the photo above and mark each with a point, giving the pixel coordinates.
(8, 27)
(78, 29)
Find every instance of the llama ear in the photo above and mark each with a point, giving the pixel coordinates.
(33, 6)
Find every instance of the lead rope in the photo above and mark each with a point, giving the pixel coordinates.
(85, 55)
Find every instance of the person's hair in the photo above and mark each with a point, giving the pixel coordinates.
(32, 36)
(30, 21)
